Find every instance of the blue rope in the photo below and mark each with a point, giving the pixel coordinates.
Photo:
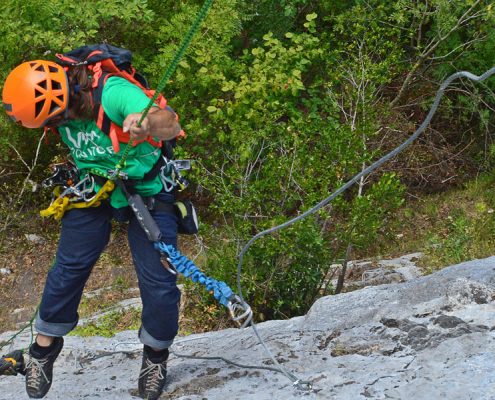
(221, 291)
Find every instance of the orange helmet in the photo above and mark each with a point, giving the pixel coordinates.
(34, 92)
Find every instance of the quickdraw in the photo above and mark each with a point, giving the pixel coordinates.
(239, 310)
(71, 192)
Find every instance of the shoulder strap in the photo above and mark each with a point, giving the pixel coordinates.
(102, 120)
(106, 125)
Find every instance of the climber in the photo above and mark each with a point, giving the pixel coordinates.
(43, 93)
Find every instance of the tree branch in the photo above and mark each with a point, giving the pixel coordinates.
(430, 49)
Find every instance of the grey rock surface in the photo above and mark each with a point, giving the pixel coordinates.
(34, 238)
(363, 273)
(428, 338)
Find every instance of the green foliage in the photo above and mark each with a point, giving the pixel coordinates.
(110, 324)
(282, 274)
(120, 284)
(32, 29)
(452, 248)
(369, 213)
(466, 232)
(450, 227)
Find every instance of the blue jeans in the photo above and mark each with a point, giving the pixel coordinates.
(85, 233)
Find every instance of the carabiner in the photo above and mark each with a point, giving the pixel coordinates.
(240, 311)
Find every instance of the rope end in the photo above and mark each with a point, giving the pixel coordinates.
(305, 386)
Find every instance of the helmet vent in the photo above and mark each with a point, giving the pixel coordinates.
(53, 107)
(37, 93)
(56, 85)
(52, 69)
(40, 67)
(38, 108)
(42, 84)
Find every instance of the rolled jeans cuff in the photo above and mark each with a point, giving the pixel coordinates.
(53, 328)
(149, 340)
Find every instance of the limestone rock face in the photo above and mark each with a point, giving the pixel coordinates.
(427, 338)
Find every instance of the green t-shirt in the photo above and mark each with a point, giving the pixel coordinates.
(92, 149)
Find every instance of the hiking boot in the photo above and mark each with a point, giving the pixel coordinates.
(39, 370)
(153, 374)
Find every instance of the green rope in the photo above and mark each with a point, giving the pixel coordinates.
(94, 171)
(203, 12)
(26, 326)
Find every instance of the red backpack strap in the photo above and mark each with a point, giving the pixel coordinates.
(97, 73)
(114, 137)
(46, 132)
(66, 60)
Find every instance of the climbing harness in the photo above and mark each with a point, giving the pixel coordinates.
(71, 192)
(79, 195)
